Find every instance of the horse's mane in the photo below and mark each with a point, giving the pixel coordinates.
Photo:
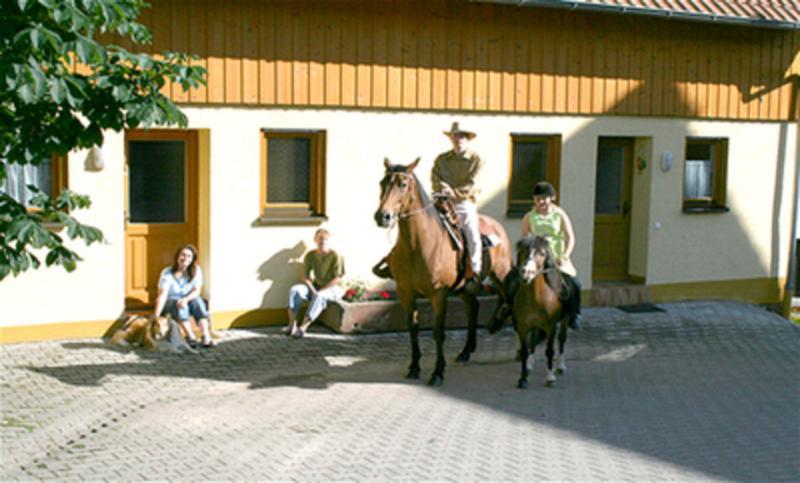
(424, 197)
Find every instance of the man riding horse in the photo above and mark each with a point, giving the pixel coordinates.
(454, 176)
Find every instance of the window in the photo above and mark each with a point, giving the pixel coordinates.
(704, 174)
(292, 174)
(49, 176)
(534, 158)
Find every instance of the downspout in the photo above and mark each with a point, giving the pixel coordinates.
(788, 293)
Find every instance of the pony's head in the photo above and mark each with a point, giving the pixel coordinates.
(399, 189)
(534, 256)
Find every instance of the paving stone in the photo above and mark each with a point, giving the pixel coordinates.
(706, 390)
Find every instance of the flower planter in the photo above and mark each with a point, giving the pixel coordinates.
(387, 316)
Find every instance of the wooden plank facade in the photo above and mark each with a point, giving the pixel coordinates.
(460, 56)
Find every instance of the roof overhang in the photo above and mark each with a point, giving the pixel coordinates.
(764, 18)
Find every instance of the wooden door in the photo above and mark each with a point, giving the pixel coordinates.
(160, 206)
(612, 208)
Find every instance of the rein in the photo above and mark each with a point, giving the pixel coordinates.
(542, 272)
(414, 212)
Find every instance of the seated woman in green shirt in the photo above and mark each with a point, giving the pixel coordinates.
(550, 221)
(323, 269)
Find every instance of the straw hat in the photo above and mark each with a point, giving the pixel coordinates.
(456, 129)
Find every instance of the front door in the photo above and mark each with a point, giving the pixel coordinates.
(612, 209)
(160, 206)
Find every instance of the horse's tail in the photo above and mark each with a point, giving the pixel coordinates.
(501, 253)
(510, 285)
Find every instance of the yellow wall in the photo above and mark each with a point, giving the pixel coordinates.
(251, 267)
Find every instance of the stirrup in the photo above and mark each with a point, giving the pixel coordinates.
(382, 270)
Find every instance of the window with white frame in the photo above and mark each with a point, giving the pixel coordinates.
(48, 176)
(705, 173)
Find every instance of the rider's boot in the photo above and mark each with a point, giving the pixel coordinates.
(381, 269)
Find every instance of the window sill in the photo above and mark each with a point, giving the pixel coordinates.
(314, 220)
(691, 210)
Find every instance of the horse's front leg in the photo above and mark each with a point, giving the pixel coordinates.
(439, 305)
(550, 380)
(471, 306)
(561, 366)
(522, 335)
(412, 322)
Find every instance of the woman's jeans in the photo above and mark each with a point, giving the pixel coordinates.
(196, 307)
(300, 293)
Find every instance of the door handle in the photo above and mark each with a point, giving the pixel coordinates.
(626, 208)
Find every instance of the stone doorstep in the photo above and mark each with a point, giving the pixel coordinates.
(612, 295)
(387, 316)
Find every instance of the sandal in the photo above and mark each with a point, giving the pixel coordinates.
(209, 344)
(192, 343)
(299, 334)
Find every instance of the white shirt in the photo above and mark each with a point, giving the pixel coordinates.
(178, 289)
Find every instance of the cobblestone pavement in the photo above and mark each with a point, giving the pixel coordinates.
(702, 391)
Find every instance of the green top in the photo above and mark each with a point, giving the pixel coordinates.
(548, 226)
(325, 267)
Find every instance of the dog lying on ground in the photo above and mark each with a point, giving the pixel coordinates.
(152, 333)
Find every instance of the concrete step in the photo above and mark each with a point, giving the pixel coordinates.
(613, 294)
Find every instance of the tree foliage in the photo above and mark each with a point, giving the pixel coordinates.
(49, 107)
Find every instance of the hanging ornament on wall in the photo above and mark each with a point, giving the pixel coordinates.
(94, 160)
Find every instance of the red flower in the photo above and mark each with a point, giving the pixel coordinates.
(350, 293)
(385, 295)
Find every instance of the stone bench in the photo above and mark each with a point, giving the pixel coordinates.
(387, 316)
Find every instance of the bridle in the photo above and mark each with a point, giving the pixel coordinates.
(538, 271)
(402, 213)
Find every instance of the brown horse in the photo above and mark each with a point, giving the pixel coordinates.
(537, 309)
(425, 264)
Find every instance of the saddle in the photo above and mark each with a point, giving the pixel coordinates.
(453, 226)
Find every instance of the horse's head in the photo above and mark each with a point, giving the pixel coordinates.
(398, 192)
(534, 256)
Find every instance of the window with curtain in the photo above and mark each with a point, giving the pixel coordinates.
(704, 173)
(292, 173)
(534, 158)
(47, 176)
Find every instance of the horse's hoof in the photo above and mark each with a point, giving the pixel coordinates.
(522, 384)
(549, 383)
(412, 374)
(435, 380)
(561, 370)
(463, 357)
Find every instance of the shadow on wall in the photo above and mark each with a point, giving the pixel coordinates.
(276, 268)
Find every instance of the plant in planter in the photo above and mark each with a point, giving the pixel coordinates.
(358, 291)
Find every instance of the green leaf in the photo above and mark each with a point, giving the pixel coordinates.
(20, 229)
(39, 236)
(4, 270)
(84, 49)
(34, 35)
(58, 90)
(23, 4)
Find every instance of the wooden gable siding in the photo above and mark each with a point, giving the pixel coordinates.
(453, 55)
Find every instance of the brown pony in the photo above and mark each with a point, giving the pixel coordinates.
(425, 264)
(537, 309)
